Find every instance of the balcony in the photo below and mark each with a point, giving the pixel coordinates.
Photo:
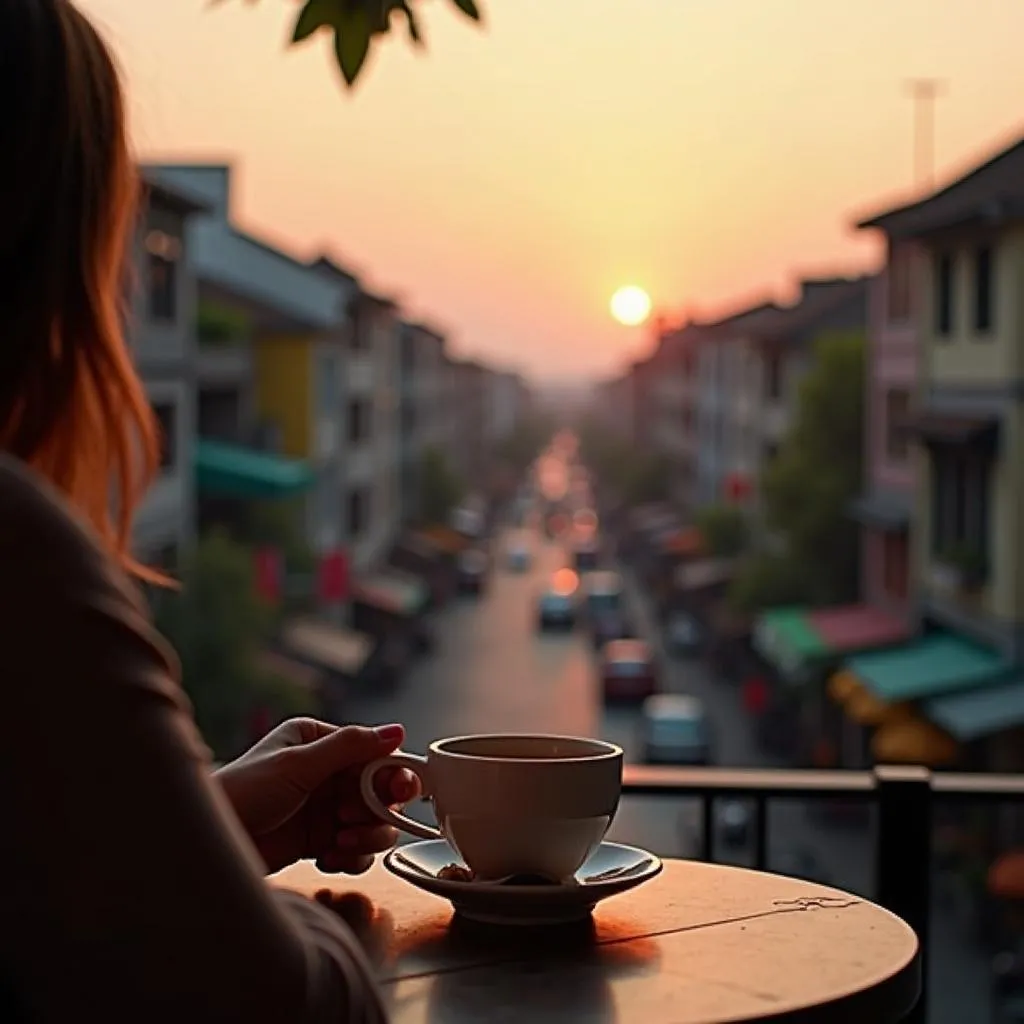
(898, 811)
(359, 373)
(223, 347)
(223, 365)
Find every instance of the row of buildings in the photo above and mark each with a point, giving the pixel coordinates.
(933, 651)
(275, 378)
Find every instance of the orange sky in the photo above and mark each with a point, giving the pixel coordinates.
(506, 181)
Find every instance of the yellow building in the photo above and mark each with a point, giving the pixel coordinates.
(964, 673)
(968, 555)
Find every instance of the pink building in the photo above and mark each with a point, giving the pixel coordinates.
(884, 509)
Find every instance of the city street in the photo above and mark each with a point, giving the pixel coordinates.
(493, 671)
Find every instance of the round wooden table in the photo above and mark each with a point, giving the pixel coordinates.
(699, 944)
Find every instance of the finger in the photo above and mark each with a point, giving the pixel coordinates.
(336, 862)
(367, 838)
(347, 747)
(394, 785)
(404, 787)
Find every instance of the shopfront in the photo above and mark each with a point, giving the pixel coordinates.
(804, 648)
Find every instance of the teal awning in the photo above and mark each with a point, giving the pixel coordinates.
(235, 472)
(969, 716)
(785, 638)
(931, 667)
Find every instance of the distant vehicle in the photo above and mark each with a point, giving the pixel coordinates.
(556, 608)
(586, 554)
(469, 521)
(604, 592)
(472, 571)
(585, 521)
(628, 671)
(683, 634)
(605, 608)
(518, 553)
(675, 730)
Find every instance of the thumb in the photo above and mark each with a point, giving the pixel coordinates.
(347, 747)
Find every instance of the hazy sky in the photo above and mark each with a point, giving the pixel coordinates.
(504, 182)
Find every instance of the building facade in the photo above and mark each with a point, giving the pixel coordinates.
(968, 423)
(423, 416)
(270, 366)
(884, 509)
(163, 341)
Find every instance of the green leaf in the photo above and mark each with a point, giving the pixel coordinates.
(315, 15)
(469, 8)
(352, 44)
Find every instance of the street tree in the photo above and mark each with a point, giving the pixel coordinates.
(724, 529)
(219, 627)
(808, 487)
(440, 488)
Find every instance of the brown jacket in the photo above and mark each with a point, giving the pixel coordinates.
(130, 890)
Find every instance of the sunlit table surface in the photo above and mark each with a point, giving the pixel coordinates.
(700, 943)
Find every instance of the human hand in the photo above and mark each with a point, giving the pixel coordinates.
(297, 793)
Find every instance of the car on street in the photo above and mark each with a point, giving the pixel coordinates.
(675, 730)
(586, 554)
(469, 521)
(519, 552)
(585, 521)
(472, 571)
(605, 607)
(683, 634)
(556, 607)
(628, 671)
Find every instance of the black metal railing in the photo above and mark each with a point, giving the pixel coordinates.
(904, 799)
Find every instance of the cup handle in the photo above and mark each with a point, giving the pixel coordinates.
(418, 766)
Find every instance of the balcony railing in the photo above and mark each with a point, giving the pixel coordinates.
(903, 799)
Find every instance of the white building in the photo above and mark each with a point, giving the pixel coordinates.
(162, 337)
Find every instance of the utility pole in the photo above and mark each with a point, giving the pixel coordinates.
(924, 92)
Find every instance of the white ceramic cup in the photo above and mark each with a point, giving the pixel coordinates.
(512, 804)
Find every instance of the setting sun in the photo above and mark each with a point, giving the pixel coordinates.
(631, 305)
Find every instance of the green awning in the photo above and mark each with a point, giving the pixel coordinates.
(786, 638)
(970, 716)
(932, 666)
(235, 472)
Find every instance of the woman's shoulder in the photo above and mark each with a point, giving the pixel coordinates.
(41, 537)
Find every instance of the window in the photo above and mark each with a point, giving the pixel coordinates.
(984, 311)
(773, 376)
(358, 421)
(945, 283)
(897, 406)
(361, 326)
(895, 565)
(167, 421)
(329, 383)
(900, 285)
(162, 255)
(358, 512)
(960, 502)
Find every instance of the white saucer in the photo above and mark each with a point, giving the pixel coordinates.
(610, 870)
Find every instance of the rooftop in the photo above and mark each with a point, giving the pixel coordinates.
(991, 190)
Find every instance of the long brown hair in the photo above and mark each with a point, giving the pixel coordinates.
(71, 403)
